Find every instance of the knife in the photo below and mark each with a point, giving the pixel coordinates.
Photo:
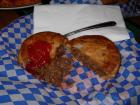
(100, 25)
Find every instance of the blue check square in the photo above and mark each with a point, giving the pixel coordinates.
(28, 96)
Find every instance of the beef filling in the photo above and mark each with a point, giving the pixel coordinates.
(59, 67)
(88, 62)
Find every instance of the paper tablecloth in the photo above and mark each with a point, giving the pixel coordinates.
(67, 18)
(18, 87)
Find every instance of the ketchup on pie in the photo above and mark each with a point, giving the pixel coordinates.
(39, 55)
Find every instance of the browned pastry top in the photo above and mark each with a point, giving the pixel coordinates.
(55, 39)
(101, 53)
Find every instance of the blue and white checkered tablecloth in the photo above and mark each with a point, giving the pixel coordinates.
(18, 87)
(131, 8)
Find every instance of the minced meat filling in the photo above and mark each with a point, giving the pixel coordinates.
(59, 67)
(88, 62)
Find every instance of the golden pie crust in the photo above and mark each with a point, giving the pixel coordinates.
(99, 53)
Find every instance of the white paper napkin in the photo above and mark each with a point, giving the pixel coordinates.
(66, 18)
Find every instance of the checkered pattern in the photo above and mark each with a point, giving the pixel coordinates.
(132, 8)
(18, 87)
(75, 2)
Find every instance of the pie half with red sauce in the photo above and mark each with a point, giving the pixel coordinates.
(42, 55)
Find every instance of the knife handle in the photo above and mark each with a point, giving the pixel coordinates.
(100, 25)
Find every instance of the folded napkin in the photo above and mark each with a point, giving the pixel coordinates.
(66, 18)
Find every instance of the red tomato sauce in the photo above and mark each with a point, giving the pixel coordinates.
(39, 55)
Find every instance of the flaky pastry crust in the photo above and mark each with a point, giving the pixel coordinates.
(55, 39)
(99, 53)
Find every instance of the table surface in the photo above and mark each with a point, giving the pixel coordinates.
(6, 17)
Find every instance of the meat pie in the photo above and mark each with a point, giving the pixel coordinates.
(43, 55)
